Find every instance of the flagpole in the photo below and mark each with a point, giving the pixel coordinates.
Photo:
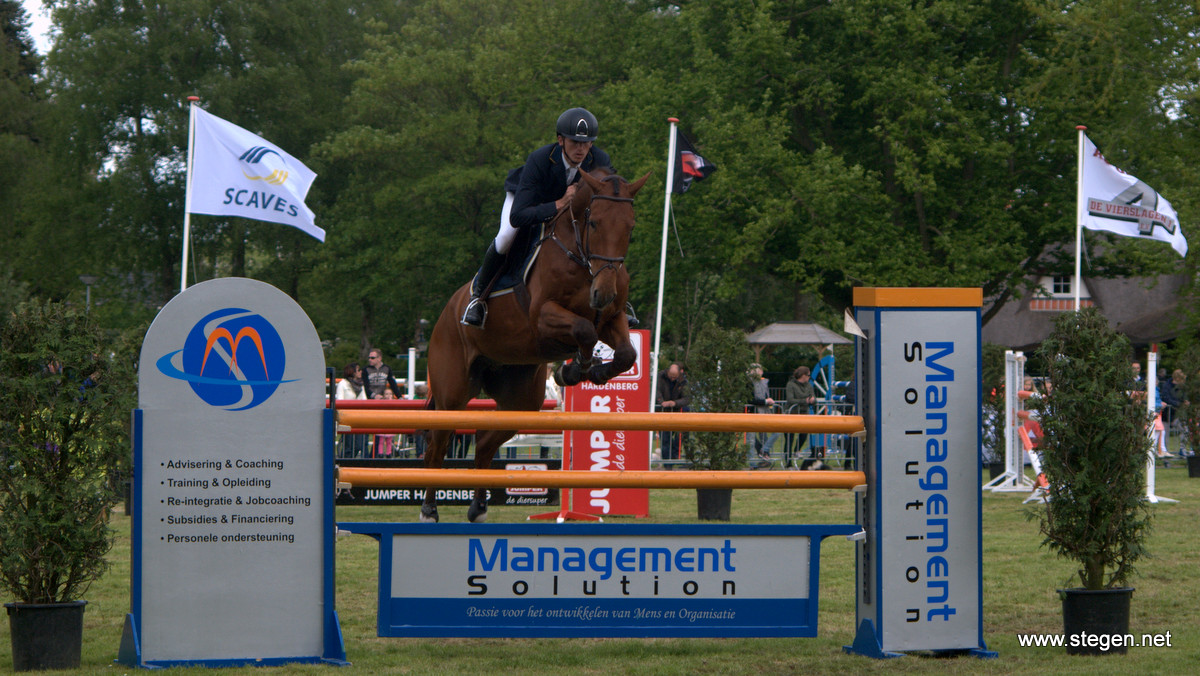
(662, 264)
(187, 199)
(1079, 211)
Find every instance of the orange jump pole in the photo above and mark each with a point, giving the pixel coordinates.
(374, 477)
(565, 420)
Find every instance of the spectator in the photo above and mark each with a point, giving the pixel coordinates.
(351, 387)
(1138, 384)
(761, 399)
(385, 442)
(1172, 395)
(800, 396)
(378, 376)
(672, 396)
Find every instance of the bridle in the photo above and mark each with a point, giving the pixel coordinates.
(584, 257)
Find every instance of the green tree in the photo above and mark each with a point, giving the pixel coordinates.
(124, 69)
(886, 143)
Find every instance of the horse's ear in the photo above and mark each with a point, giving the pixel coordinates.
(637, 185)
(595, 183)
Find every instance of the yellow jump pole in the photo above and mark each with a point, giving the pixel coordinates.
(374, 477)
(565, 420)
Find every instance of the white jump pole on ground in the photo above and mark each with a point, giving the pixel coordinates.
(1151, 389)
(1013, 479)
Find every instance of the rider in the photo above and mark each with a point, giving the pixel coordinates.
(536, 193)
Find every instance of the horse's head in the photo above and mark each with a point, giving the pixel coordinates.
(608, 225)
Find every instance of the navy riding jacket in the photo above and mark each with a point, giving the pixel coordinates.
(543, 180)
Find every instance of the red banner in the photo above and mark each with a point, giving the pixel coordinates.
(608, 451)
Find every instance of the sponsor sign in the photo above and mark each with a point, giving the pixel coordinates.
(415, 495)
(233, 519)
(589, 580)
(612, 450)
(919, 572)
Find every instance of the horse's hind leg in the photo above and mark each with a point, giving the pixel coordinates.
(435, 450)
(515, 388)
(486, 444)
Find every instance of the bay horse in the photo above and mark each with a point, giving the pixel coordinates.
(576, 293)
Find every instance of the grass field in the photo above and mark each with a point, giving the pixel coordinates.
(1019, 580)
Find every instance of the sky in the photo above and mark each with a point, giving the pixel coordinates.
(39, 25)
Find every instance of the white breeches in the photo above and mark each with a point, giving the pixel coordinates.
(507, 234)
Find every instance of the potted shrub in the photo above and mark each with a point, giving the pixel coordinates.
(64, 406)
(717, 373)
(1094, 457)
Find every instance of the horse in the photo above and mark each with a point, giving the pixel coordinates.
(574, 296)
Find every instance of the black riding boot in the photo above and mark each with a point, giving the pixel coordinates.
(629, 316)
(476, 312)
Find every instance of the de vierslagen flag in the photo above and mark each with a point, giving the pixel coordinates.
(1117, 202)
(236, 173)
(689, 165)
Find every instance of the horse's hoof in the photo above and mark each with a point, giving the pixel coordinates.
(477, 513)
(429, 514)
(568, 375)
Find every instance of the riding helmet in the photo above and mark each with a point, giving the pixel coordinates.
(577, 124)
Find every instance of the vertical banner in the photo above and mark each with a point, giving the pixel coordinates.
(608, 451)
(920, 565)
(232, 544)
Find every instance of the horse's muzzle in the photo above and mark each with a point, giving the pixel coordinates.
(602, 295)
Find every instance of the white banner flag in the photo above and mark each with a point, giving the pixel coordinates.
(236, 173)
(1119, 203)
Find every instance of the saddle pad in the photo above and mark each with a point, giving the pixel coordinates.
(516, 271)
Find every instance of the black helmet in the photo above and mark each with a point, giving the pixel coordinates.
(577, 124)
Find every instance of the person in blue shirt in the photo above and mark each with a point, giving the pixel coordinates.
(536, 193)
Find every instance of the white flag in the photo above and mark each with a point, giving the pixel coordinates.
(236, 173)
(1119, 203)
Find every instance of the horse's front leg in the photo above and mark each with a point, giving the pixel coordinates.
(615, 334)
(561, 325)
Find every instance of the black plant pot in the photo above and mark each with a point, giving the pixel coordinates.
(46, 635)
(995, 469)
(1194, 466)
(712, 504)
(1099, 617)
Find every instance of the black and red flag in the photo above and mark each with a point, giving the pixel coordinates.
(689, 165)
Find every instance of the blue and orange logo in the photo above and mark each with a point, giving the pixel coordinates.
(232, 359)
(264, 164)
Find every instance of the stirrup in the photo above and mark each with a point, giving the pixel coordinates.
(631, 318)
(475, 313)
